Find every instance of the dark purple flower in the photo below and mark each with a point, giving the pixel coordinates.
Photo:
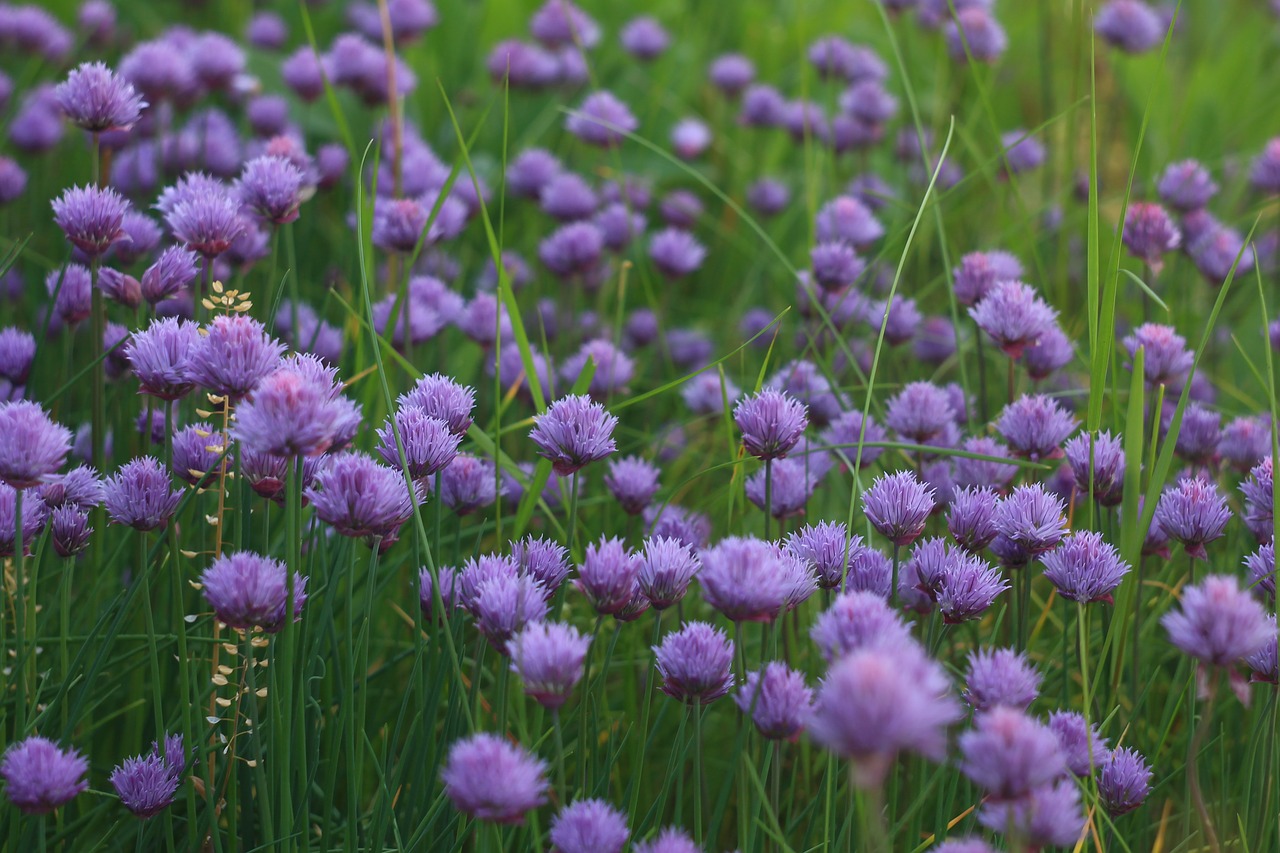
(1218, 623)
(835, 265)
(1130, 25)
(248, 590)
(13, 180)
(32, 447)
(857, 620)
(777, 699)
(1032, 518)
(473, 768)
(79, 487)
(34, 515)
(303, 73)
(1085, 568)
(1219, 252)
(173, 270)
(119, 287)
(676, 253)
(543, 560)
(73, 286)
(140, 495)
(1149, 233)
(608, 575)
(361, 498)
(971, 517)
(975, 33)
(695, 663)
(427, 442)
(897, 505)
(198, 451)
(1000, 677)
(762, 106)
(731, 73)
(771, 423)
(91, 217)
(548, 658)
(1035, 427)
(877, 702)
(1166, 359)
(148, 784)
(40, 777)
(1009, 754)
(1193, 512)
(589, 826)
(1124, 780)
(95, 99)
(1262, 571)
(1083, 747)
(1014, 315)
(68, 529)
(601, 120)
(1104, 456)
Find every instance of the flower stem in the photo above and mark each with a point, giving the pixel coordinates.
(20, 612)
(768, 495)
(697, 767)
(1193, 764)
(893, 583)
(562, 790)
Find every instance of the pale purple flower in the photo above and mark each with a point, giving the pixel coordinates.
(361, 498)
(971, 517)
(1264, 173)
(198, 451)
(140, 495)
(1048, 816)
(567, 196)
(1186, 186)
(1100, 458)
(1000, 677)
(1083, 747)
(1149, 233)
(40, 776)
(897, 505)
(857, 620)
(1035, 427)
(669, 840)
(1218, 623)
(248, 590)
(1009, 754)
(505, 605)
(601, 120)
(978, 272)
(95, 99)
(1193, 512)
(1166, 359)
(771, 423)
(1032, 518)
(271, 188)
(847, 435)
(676, 253)
(173, 270)
(1014, 315)
(589, 826)
(442, 397)
(574, 432)
(690, 138)
(777, 699)
(753, 580)
(1084, 568)
(471, 776)
(731, 73)
(920, 412)
(1022, 151)
(667, 567)
(69, 530)
(608, 575)
(644, 38)
(792, 485)
(427, 442)
(467, 484)
(846, 219)
(825, 548)
(548, 657)
(695, 663)
(148, 784)
(91, 218)
(1130, 25)
(297, 410)
(975, 33)
(969, 586)
(32, 446)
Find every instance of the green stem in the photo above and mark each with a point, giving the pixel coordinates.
(1193, 765)
(697, 767)
(582, 706)
(893, 587)
(768, 495)
(20, 612)
(144, 578)
(573, 515)
(562, 790)
(644, 714)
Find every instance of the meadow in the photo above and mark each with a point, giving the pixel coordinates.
(762, 426)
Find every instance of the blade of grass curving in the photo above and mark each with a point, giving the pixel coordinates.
(1146, 289)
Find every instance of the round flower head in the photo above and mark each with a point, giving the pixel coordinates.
(148, 784)
(792, 487)
(825, 549)
(1219, 252)
(297, 410)
(428, 444)
(1085, 568)
(695, 663)
(467, 484)
(971, 517)
(1083, 748)
(1033, 518)
(1014, 315)
(1124, 780)
(608, 575)
(247, 590)
(68, 529)
(848, 435)
(95, 99)
(361, 498)
(667, 567)
(975, 33)
(846, 219)
(978, 272)
(271, 188)
(173, 270)
(574, 432)
(1264, 664)
(633, 482)
(879, 701)
(1035, 427)
(777, 699)
(1193, 512)
(34, 515)
(234, 355)
(614, 368)
(567, 196)
(505, 605)
(920, 412)
(669, 840)
(490, 779)
(752, 580)
(1022, 151)
(79, 487)
(690, 138)
(545, 561)
(768, 197)
(1262, 571)
(13, 180)
(197, 454)
(1200, 434)
(530, 171)
(898, 505)
(969, 586)
(91, 217)
(573, 249)
(140, 495)
(1166, 359)
(1245, 441)
(32, 447)
(1149, 233)
(1100, 459)
(1186, 186)
(589, 826)
(442, 397)
(771, 423)
(731, 73)
(1049, 816)
(1009, 754)
(1218, 622)
(1129, 25)
(1265, 171)
(548, 658)
(207, 220)
(857, 620)
(1000, 677)
(40, 777)
(676, 253)
(522, 65)
(559, 23)
(835, 265)
(480, 570)
(601, 120)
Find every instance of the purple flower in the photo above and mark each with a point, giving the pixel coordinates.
(897, 505)
(543, 560)
(1022, 151)
(1032, 518)
(478, 571)
(427, 442)
(835, 265)
(676, 253)
(79, 487)
(472, 773)
(1083, 747)
(1130, 25)
(91, 217)
(297, 410)
(32, 447)
(467, 484)
(979, 272)
(589, 826)
(548, 658)
(566, 196)
(695, 663)
(1245, 441)
(271, 187)
(68, 529)
(206, 218)
(602, 120)
(505, 605)
(975, 33)
(1035, 427)
(248, 590)
(1009, 754)
(669, 840)
(13, 180)
(1014, 315)
(40, 777)
(234, 355)
(530, 171)
(572, 249)
(1103, 455)
(1193, 512)
(147, 784)
(792, 485)
(1186, 186)
(690, 138)
(731, 73)
(448, 591)
(879, 701)
(96, 99)
(846, 219)
(752, 580)
(140, 495)
(559, 23)
(762, 106)
(72, 290)
(267, 30)
(608, 575)
(846, 434)
(968, 844)
(771, 423)
(777, 699)
(574, 432)
(173, 270)
(1149, 233)
(1166, 359)
(1199, 435)
(522, 65)
(825, 548)
(1264, 173)
(644, 38)
(198, 452)
(1085, 568)
(768, 197)
(1218, 623)
(920, 412)
(854, 621)
(1219, 252)
(1000, 677)
(633, 482)
(361, 498)
(34, 515)
(1048, 816)
(1124, 780)
(667, 567)
(1263, 663)
(971, 517)
(969, 586)
(442, 397)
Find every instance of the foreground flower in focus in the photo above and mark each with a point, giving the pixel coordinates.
(247, 590)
